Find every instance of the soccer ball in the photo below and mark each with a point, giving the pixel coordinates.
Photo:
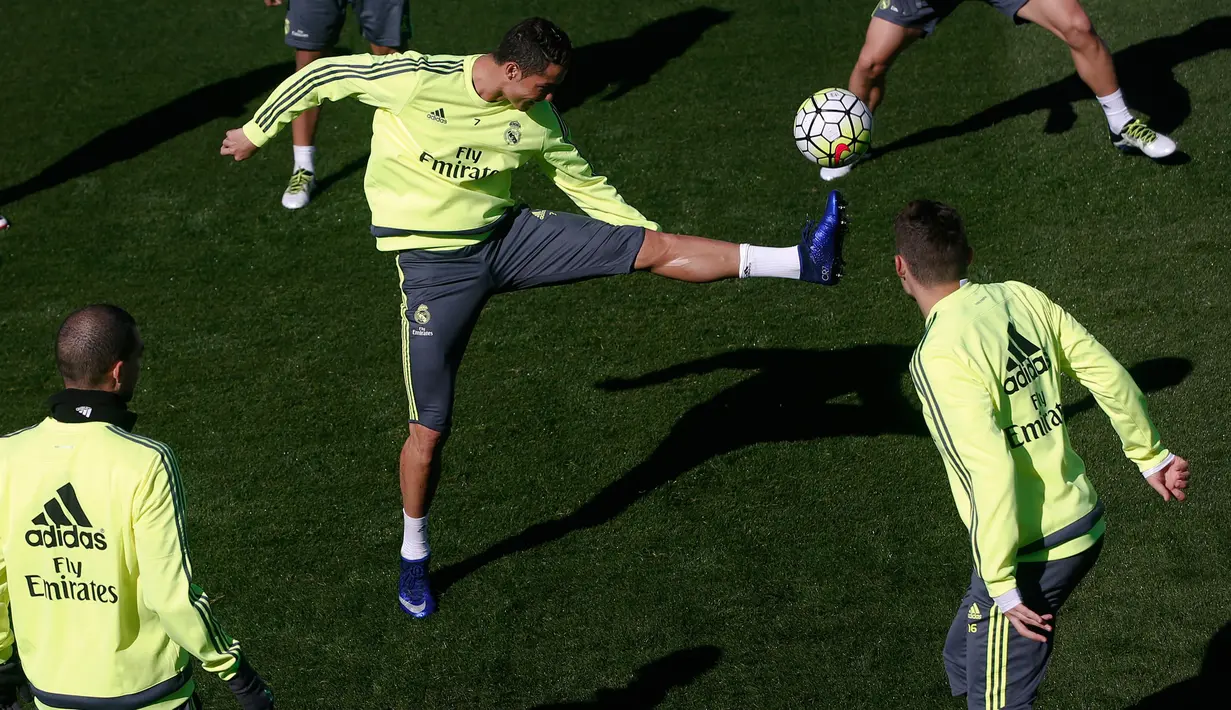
(833, 128)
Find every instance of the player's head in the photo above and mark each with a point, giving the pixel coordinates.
(533, 58)
(99, 348)
(931, 244)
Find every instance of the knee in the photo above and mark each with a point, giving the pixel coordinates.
(1077, 30)
(873, 65)
(422, 443)
(655, 250)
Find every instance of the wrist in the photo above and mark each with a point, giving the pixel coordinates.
(1161, 465)
(1008, 600)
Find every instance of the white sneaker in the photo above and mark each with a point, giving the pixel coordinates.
(299, 190)
(828, 174)
(1137, 136)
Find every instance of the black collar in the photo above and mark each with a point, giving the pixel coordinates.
(77, 406)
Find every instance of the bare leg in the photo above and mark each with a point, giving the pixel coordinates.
(685, 258)
(303, 126)
(1067, 20)
(883, 43)
(418, 469)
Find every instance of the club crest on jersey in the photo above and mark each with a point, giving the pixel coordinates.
(512, 135)
(422, 314)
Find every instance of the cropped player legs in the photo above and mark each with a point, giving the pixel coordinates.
(303, 126)
(686, 258)
(1067, 20)
(883, 43)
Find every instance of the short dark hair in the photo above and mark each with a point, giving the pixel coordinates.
(92, 340)
(932, 240)
(533, 45)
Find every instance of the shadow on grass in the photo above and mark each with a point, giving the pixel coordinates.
(791, 396)
(624, 64)
(229, 97)
(1211, 688)
(651, 682)
(1147, 74)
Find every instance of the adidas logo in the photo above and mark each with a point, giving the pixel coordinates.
(974, 612)
(438, 115)
(57, 528)
(1026, 362)
(85, 411)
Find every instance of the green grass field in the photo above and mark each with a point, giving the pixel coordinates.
(764, 524)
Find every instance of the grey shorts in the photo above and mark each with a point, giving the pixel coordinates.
(315, 25)
(985, 656)
(443, 291)
(924, 14)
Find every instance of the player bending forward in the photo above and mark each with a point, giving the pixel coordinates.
(988, 374)
(447, 135)
(897, 23)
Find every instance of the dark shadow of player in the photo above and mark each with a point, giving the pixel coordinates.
(625, 64)
(789, 397)
(650, 683)
(229, 97)
(630, 62)
(1147, 75)
(1209, 689)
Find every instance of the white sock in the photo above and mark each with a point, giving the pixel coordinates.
(779, 262)
(305, 156)
(414, 537)
(1116, 110)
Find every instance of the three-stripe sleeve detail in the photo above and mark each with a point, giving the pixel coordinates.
(222, 643)
(945, 438)
(405, 318)
(329, 73)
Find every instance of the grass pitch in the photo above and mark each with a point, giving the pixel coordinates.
(699, 497)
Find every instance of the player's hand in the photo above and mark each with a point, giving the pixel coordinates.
(237, 144)
(250, 690)
(1023, 618)
(1171, 480)
(272, 3)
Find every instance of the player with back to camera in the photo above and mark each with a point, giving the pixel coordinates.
(95, 551)
(987, 371)
(447, 134)
(896, 24)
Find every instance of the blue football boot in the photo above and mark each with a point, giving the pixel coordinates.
(414, 594)
(820, 244)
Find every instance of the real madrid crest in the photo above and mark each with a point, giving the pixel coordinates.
(512, 136)
(422, 314)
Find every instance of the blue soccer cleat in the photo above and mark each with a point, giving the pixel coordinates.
(414, 594)
(820, 244)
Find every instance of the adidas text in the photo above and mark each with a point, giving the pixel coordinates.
(438, 116)
(67, 538)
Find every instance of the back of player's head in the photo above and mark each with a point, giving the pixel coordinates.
(92, 340)
(533, 45)
(932, 240)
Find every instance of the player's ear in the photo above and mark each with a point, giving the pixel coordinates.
(117, 374)
(899, 265)
(512, 71)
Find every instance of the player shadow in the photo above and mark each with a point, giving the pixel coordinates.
(1210, 688)
(229, 97)
(790, 396)
(1147, 75)
(630, 62)
(625, 63)
(650, 683)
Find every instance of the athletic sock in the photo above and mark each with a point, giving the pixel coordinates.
(305, 158)
(1117, 111)
(778, 262)
(414, 537)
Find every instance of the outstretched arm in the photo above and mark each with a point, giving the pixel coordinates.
(382, 81)
(561, 162)
(1084, 359)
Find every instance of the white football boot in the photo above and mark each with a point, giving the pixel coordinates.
(1137, 136)
(299, 190)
